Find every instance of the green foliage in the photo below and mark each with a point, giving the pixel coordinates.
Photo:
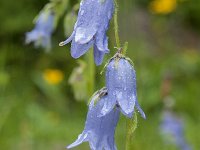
(78, 80)
(69, 21)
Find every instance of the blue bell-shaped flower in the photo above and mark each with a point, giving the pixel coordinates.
(90, 29)
(121, 85)
(41, 34)
(99, 131)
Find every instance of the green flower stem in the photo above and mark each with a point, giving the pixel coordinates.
(91, 72)
(116, 27)
(131, 125)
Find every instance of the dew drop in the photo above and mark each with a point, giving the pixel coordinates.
(82, 12)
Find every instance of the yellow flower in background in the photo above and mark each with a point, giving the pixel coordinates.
(53, 76)
(163, 6)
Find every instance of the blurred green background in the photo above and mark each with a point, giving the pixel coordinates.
(39, 109)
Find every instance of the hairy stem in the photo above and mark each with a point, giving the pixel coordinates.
(116, 27)
(91, 72)
(131, 125)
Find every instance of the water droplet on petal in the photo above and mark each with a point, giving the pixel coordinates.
(82, 12)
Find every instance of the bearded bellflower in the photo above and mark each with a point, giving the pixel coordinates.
(99, 131)
(172, 127)
(41, 34)
(90, 29)
(121, 85)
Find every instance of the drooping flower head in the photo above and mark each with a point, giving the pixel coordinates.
(90, 29)
(121, 85)
(41, 34)
(172, 127)
(99, 131)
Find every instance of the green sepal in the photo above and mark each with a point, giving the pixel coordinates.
(98, 94)
(78, 81)
(119, 55)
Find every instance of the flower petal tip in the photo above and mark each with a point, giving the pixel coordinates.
(68, 147)
(144, 116)
(98, 63)
(61, 43)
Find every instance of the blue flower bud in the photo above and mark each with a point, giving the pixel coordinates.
(121, 85)
(41, 34)
(99, 131)
(90, 29)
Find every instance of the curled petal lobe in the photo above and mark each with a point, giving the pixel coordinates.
(81, 138)
(106, 44)
(98, 56)
(127, 106)
(67, 40)
(140, 109)
(84, 35)
(108, 106)
(99, 41)
(78, 50)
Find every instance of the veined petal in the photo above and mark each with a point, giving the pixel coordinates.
(110, 145)
(84, 35)
(98, 56)
(101, 42)
(127, 105)
(78, 50)
(108, 106)
(106, 44)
